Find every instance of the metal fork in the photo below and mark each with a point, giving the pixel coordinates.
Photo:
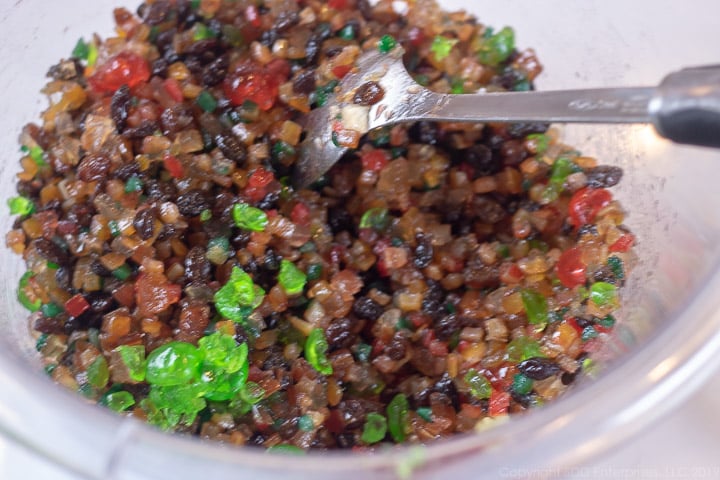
(685, 108)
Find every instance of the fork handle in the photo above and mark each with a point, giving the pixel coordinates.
(685, 107)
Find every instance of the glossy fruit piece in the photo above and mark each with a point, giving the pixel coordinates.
(252, 82)
(623, 244)
(316, 347)
(570, 268)
(125, 68)
(175, 363)
(154, 294)
(397, 412)
(586, 203)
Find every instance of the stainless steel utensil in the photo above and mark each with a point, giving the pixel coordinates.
(685, 108)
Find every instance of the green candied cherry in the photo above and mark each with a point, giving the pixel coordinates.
(441, 46)
(305, 423)
(133, 184)
(238, 297)
(21, 206)
(221, 350)
(207, 101)
(38, 156)
(314, 271)
(286, 449)
(81, 50)
(479, 385)
(175, 363)
(316, 347)
(374, 429)
(522, 348)
(522, 385)
(32, 305)
(397, 414)
(118, 401)
(616, 267)
(133, 357)
(425, 413)
(376, 218)
(225, 368)
(386, 43)
(561, 169)
(222, 385)
(168, 406)
(497, 48)
(98, 373)
(249, 218)
(542, 141)
(603, 293)
(535, 305)
(291, 278)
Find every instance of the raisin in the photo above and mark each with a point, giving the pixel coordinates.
(339, 334)
(525, 400)
(367, 309)
(369, 93)
(93, 168)
(304, 82)
(197, 266)
(397, 349)
(312, 48)
(231, 148)
(269, 201)
(160, 191)
(222, 209)
(176, 118)
(197, 49)
(604, 176)
(522, 130)
(345, 440)
(513, 152)
(340, 220)
(192, 203)
(486, 209)
(126, 171)
(481, 159)
(286, 19)
(50, 252)
(423, 252)
(274, 359)
(81, 213)
(446, 386)
(159, 67)
(268, 37)
(538, 368)
(156, 12)
(99, 269)
(100, 302)
(425, 132)
(479, 276)
(145, 129)
(215, 72)
(365, 9)
(447, 326)
(144, 223)
(166, 233)
(164, 41)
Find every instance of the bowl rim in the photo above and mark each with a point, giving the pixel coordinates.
(656, 377)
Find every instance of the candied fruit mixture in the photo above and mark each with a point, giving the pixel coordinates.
(440, 275)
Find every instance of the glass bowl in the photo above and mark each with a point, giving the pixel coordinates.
(670, 325)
